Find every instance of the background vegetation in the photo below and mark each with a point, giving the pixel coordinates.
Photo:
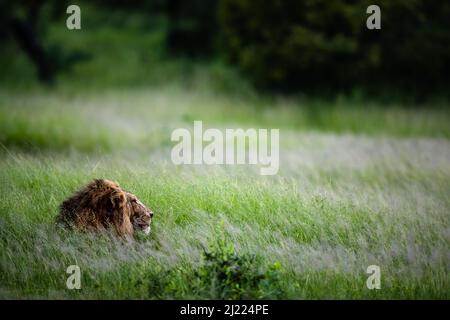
(364, 157)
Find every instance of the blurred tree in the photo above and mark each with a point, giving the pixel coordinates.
(192, 26)
(300, 44)
(21, 20)
(282, 44)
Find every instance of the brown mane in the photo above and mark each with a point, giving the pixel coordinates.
(100, 205)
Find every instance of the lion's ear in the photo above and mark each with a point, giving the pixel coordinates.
(121, 214)
(113, 203)
(118, 200)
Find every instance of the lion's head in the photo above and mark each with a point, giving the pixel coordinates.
(140, 215)
(103, 204)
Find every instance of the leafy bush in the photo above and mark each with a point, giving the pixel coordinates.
(223, 274)
(227, 275)
(318, 43)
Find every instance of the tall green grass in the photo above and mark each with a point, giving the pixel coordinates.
(322, 226)
(361, 182)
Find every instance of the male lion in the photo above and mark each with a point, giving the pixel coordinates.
(103, 204)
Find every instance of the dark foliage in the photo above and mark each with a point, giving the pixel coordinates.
(297, 45)
(223, 274)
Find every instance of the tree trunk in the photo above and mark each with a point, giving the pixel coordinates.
(26, 37)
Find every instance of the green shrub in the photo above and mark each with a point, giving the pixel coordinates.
(317, 43)
(222, 274)
(226, 275)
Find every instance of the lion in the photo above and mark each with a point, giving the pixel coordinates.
(102, 205)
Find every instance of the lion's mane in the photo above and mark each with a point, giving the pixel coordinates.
(100, 205)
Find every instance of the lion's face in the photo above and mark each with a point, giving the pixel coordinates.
(140, 216)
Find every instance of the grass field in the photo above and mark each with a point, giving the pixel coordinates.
(341, 201)
(360, 183)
